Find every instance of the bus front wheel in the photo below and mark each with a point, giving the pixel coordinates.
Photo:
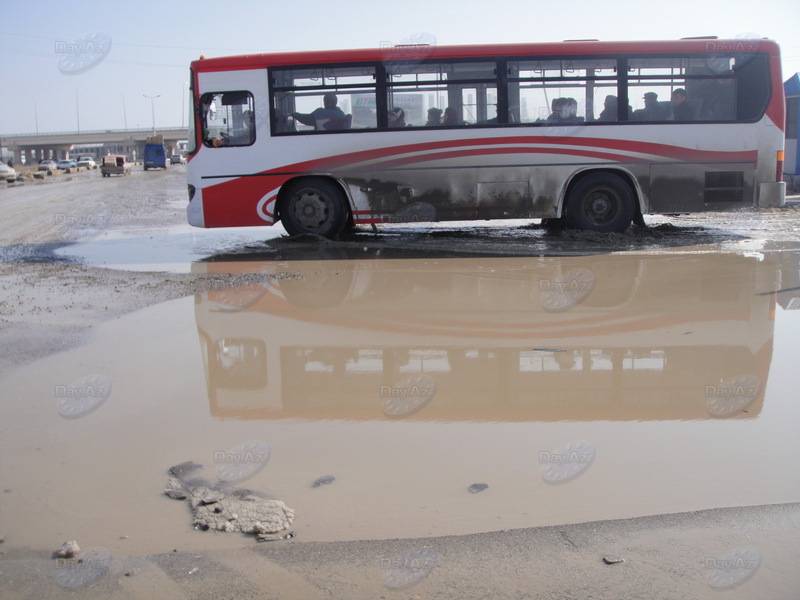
(601, 202)
(314, 206)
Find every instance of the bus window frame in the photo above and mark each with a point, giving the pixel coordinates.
(503, 79)
(275, 89)
(517, 79)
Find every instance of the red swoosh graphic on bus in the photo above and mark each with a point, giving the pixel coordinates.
(408, 160)
(231, 203)
(538, 144)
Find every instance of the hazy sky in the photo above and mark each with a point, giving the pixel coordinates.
(47, 85)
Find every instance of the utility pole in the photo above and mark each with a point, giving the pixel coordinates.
(153, 109)
(183, 102)
(124, 113)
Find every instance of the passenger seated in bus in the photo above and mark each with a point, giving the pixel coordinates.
(434, 117)
(574, 111)
(556, 107)
(681, 109)
(653, 110)
(451, 117)
(319, 119)
(565, 110)
(609, 112)
(397, 117)
(570, 111)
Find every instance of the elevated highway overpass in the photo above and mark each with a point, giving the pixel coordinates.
(32, 147)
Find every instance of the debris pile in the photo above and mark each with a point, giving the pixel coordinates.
(229, 509)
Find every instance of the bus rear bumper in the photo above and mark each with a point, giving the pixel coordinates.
(771, 194)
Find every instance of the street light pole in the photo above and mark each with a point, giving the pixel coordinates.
(153, 109)
(77, 110)
(124, 113)
(183, 100)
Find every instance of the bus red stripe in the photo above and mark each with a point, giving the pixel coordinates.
(397, 162)
(652, 148)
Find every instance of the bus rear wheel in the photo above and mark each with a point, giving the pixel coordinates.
(315, 206)
(601, 202)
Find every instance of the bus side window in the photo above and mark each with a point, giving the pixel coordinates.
(323, 98)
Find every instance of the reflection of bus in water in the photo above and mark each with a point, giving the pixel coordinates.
(511, 339)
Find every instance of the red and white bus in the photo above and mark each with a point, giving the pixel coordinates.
(594, 134)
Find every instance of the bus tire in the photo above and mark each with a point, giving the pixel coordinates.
(600, 202)
(315, 206)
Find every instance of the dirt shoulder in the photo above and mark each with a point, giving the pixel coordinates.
(740, 553)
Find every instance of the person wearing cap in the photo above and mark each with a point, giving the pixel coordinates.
(609, 112)
(652, 111)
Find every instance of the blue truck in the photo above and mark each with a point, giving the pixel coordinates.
(155, 157)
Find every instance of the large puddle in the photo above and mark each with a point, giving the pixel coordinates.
(574, 389)
(166, 249)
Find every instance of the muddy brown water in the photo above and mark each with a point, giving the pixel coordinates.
(575, 388)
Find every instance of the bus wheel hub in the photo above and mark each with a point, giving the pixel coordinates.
(600, 207)
(310, 210)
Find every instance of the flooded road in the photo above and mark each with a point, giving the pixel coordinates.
(444, 415)
(576, 389)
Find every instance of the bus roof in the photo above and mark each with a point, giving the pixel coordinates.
(427, 52)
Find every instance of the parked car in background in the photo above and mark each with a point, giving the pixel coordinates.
(87, 161)
(7, 173)
(176, 159)
(66, 164)
(47, 165)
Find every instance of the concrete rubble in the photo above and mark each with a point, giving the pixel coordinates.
(227, 508)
